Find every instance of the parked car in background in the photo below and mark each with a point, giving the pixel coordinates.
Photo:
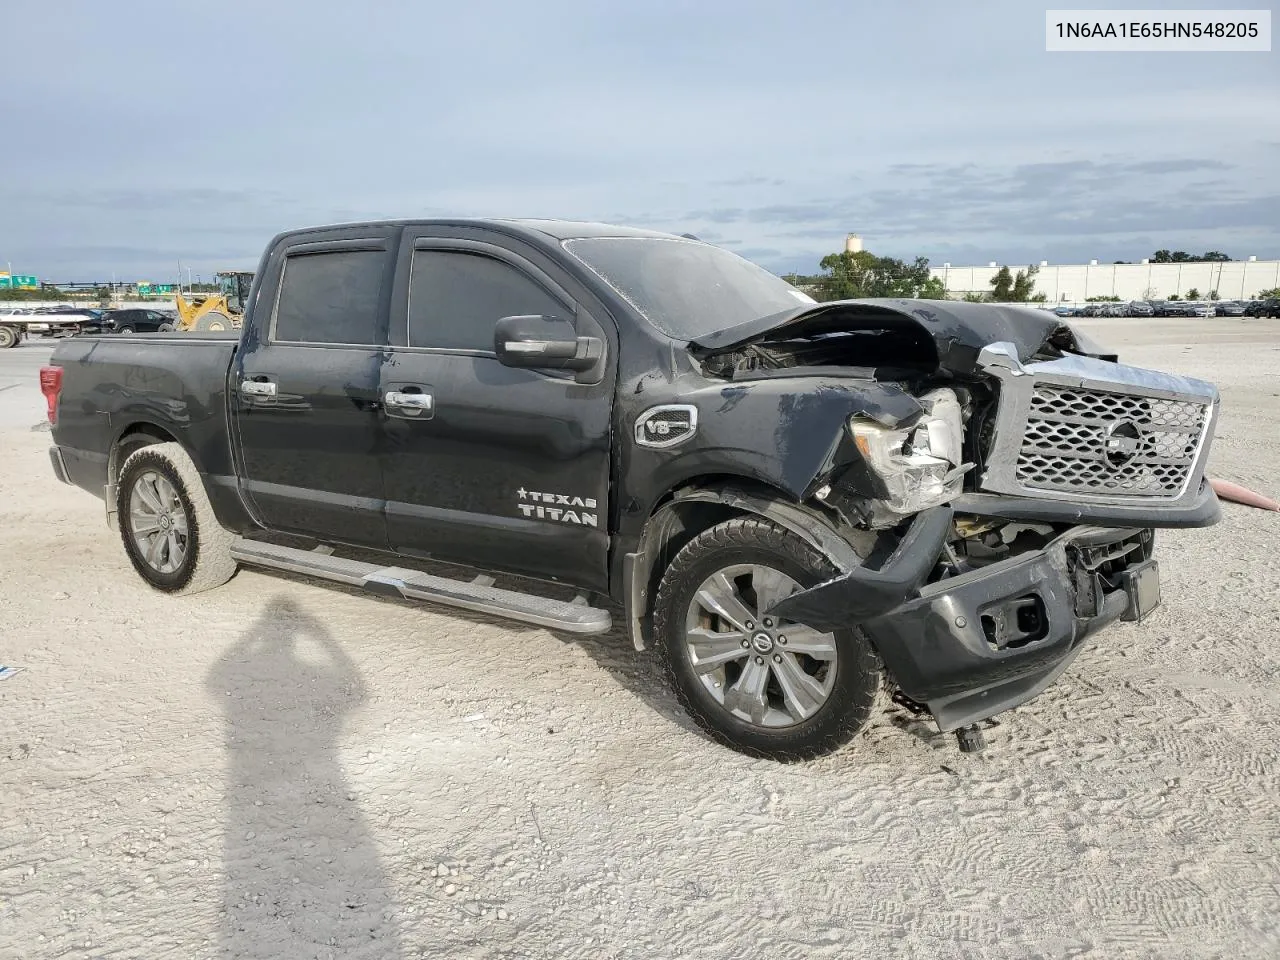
(1177, 308)
(1229, 308)
(1269, 307)
(137, 321)
(1065, 311)
(1201, 309)
(1140, 308)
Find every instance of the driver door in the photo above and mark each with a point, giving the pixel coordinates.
(502, 468)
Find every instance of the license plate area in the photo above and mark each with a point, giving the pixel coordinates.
(1142, 586)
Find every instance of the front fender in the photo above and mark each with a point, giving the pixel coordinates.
(639, 571)
(786, 433)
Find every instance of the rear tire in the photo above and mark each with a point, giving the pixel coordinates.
(8, 337)
(776, 690)
(124, 330)
(167, 525)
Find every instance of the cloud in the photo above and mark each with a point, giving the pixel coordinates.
(750, 181)
(777, 134)
(1109, 207)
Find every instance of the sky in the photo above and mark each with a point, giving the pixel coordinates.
(141, 134)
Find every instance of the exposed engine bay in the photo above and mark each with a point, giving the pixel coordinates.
(1007, 400)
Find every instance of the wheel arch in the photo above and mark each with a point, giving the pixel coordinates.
(131, 438)
(685, 511)
(138, 434)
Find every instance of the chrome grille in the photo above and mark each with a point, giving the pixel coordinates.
(1087, 441)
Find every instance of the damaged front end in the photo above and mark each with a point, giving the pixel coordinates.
(1012, 510)
(970, 637)
(912, 468)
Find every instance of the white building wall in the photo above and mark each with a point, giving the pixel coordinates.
(1235, 280)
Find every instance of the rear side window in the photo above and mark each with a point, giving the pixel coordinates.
(330, 297)
(456, 299)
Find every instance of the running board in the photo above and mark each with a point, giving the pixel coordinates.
(573, 616)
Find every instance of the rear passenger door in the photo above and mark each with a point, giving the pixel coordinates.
(306, 386)
(502, 468)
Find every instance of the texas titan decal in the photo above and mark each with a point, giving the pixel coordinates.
(550, 506)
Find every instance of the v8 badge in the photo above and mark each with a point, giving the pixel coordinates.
(666, 425)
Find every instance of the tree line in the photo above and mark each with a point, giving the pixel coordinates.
(854, 276)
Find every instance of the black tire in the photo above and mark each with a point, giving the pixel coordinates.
(206, 560)
(165, 328)
(214, 320)
(9, 337)
(125, 329)
(858, 681)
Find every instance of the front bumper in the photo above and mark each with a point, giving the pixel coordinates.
(1199, 510)
(974, 645)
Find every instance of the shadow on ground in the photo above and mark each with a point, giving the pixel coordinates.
(303, 878)
(636, 671)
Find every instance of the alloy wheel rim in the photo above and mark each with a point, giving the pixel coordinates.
(768, 672)
(158, 523)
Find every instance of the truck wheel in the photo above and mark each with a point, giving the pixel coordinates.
(167, 524)
(213, 320)
(8, 337)
(778, 690)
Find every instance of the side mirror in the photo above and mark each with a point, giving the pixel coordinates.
(547, 343)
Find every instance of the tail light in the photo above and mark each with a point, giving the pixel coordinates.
(51, 386)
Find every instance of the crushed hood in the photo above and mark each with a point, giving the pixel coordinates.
(958, 330)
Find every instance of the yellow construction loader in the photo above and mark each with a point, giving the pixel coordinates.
(218, 311)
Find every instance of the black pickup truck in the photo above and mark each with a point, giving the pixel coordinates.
(800, 505)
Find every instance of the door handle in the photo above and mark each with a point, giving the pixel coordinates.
(257, 388)
(408, 404)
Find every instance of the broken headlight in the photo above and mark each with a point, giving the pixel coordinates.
(919, 465)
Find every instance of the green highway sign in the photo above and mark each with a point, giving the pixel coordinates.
(18, 282)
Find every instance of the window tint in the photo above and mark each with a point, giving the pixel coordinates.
(330, 297)
(456, 299)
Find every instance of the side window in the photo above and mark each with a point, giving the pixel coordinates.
(456, 299)
(330, 297)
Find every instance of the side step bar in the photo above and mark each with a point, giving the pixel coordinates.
(573, 616)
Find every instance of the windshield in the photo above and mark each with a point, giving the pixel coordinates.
(686, 288)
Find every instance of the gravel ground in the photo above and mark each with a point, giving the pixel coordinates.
(283, 769)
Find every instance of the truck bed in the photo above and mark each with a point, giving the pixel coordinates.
(112, 383)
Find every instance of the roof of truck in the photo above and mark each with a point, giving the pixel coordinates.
(555, 229)
(577, 229)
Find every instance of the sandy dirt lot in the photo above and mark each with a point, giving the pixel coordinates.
(283, 769)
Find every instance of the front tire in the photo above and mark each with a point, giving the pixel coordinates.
(167, 524)
(123, 331)
(213, 321)
(8, 337)
(777, 690)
